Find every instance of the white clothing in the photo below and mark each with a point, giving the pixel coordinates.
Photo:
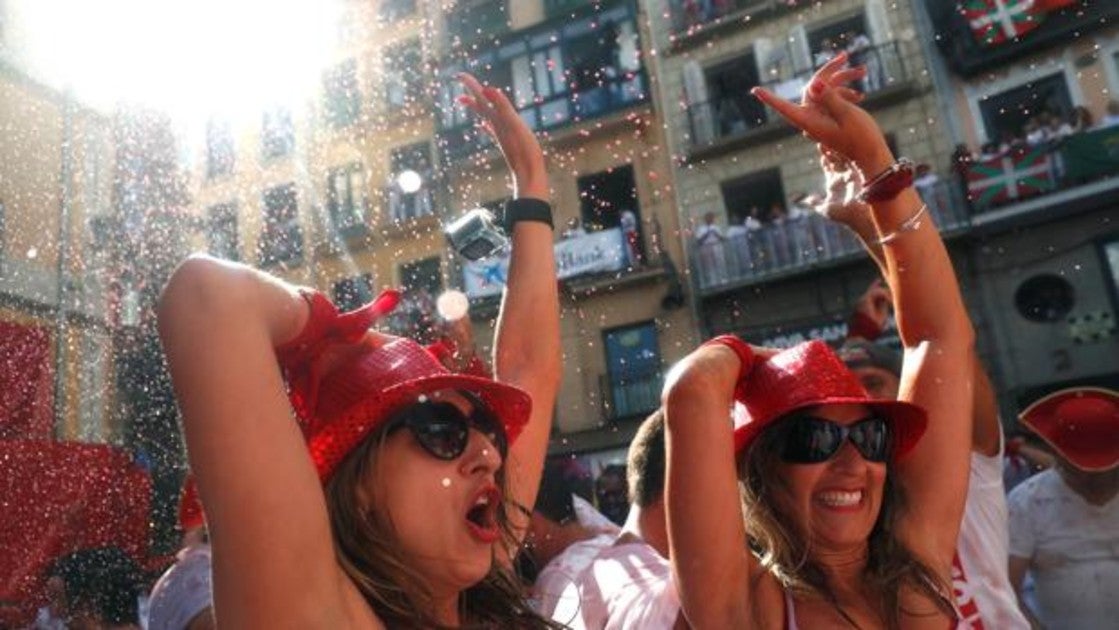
(183, 591)
(979, 571)
(555, 593)
(1109, 120)
(1073, 549)
(628, 586)
(588, 516)
(708, 233)
(736, 231)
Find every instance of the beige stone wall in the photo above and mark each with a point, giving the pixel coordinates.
(916, 122)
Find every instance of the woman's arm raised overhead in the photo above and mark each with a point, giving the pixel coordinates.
(932, 321)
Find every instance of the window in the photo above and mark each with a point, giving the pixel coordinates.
(396, 9)
(1045, 298)
(403, 74)
(354, 292)
(409, 191)
(281, 240)
(422, 281)
(346, 199)
(341, 98)
(729, 100)
(277, 136)
(222, 238)
(826, 41)
(609, 200)
(219, 149)
(472, 19)
(1007, 115)
(633, 369)
(759, 195)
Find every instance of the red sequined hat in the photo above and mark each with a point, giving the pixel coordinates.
(342, 384)
(808, 375)
(1081, 424)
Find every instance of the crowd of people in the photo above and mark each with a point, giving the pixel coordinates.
(348, 478)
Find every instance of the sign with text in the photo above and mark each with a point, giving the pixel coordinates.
(596, 252)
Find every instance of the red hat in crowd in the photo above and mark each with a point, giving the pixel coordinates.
(1081, 424)
(807, 375)
(190, 508)
(343, 386)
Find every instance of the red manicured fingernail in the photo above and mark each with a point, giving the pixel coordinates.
(489, 91)
(817, 88)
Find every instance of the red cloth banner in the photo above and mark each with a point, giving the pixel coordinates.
(58, 497)
(26, 382)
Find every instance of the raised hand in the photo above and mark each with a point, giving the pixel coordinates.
(828, 114)
(843, 182)
(517, 142)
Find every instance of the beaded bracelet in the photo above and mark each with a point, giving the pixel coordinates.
(909, 225)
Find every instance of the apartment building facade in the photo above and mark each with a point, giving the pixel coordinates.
(350, 192)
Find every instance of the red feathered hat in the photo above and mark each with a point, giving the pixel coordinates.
(808, 375)
(1081, 424)
(343, 385)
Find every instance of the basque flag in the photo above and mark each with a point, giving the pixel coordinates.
(994, 22)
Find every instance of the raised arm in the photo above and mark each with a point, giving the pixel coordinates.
(706, 534)
(843, 183)
(526, 343)
(933, 324)
(274, 563)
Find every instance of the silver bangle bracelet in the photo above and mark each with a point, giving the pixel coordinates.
(908, 225)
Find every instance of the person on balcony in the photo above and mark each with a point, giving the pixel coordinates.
(1111, 118)
(861, 51)
(709, 239)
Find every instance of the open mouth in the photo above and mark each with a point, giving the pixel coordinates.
(840, 499)
(481, 518)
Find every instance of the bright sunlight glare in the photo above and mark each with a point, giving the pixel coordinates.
(191, 59)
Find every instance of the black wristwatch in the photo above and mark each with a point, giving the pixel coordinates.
(526, 209)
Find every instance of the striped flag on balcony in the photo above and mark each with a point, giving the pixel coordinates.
(994, 22)
(1017, 175)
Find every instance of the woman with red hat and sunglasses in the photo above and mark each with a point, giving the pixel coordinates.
(850, 506)
(397, 517)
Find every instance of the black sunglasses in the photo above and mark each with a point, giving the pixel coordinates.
(443, 430)
(811, 440)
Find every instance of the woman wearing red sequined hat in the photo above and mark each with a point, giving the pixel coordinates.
(349, 479)
(823, 507)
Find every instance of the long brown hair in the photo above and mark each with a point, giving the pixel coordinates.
(366, 546)
(787, 556)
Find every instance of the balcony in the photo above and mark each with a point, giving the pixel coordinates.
(562, 72)
(732, 122)
(408, 207)
(86, 294)
(630, 396)
(1072, 170)
(798, 245)
(971, 52)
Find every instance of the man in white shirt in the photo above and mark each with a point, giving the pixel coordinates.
(1064, 522)
(629, 583)
(564, 538)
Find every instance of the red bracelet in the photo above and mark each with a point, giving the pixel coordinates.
(889, 183)
(745, 356)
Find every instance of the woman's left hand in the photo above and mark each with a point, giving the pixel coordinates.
(516, 140)
(828, 114)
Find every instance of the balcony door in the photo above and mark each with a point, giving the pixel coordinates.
(633, 369)
(608, 200)
(1006, 114)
